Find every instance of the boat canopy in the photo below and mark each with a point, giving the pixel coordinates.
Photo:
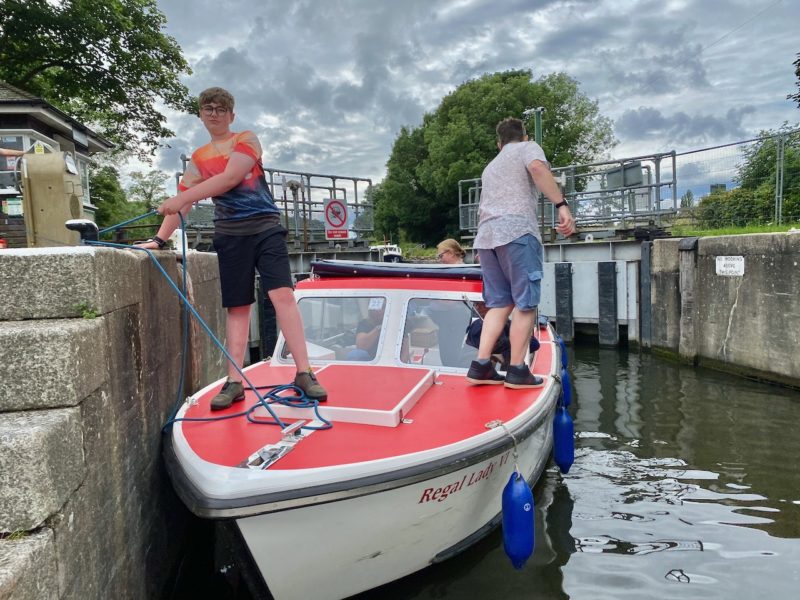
(355, 268)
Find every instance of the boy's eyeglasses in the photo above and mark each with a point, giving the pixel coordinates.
(441, 254)
(210, 110)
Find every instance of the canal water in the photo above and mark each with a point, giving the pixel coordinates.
(686, 485)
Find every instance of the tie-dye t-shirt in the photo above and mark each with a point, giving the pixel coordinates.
(249, 199)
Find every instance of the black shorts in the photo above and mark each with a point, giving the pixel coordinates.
(240, 256)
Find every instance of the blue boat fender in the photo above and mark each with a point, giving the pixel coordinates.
(563, 346)
(518, 537)
(566, 388)
(563, 439)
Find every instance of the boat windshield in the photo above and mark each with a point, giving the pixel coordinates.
(342, 328)
(435, 333)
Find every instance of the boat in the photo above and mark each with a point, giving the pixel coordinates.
(405, 463)
(387, 252)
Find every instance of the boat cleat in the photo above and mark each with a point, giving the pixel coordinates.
(265, 457)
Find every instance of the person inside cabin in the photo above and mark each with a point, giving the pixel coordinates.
(450, 318)
(510, 249)
(447, 315)
(501, 353)
(368, 331)
(248, 237)
(10, 152)
(450, 252)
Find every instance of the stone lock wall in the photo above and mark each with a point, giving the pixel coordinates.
(90, 344)
(745, 323)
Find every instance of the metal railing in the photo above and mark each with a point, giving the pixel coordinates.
(618, 193)
(301, 198)
(669, 186)
(765, 170)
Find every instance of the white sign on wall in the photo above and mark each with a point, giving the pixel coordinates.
(730, 266)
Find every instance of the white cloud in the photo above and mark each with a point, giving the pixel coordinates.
(327, 85)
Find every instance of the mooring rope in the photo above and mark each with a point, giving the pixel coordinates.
(299, 400)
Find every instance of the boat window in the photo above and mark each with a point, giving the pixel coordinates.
(435, 331)
(339, 328)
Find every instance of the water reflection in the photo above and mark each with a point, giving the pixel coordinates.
(617, 546)
(737, 432)
(689, 471)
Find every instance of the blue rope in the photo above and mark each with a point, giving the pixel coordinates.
(185, 329)
(300, 401)
(133, 220)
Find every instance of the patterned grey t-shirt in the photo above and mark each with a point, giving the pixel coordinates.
(507, 208)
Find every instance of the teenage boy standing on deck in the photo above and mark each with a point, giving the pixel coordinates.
(248, 236)
(510, 249)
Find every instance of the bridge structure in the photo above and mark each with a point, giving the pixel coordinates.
(608, 199)
(302, 196)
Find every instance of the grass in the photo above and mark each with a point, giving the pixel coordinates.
(418, 251)
(690, 230)
(86, 310)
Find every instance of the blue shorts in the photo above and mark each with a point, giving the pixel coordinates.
(512, 274)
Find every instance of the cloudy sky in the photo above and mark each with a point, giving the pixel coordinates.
(327, 84)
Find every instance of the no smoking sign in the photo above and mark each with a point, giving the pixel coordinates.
(335, 219)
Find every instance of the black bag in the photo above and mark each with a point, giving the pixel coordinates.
(502, 345)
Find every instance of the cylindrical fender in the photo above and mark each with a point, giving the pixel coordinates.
(563, 439)
(566, 388)
(518, 536)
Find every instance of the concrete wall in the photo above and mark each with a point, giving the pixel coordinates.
(748, 324)
(665, 294)
(83, 492)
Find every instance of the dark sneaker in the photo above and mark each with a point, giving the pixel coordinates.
(232, 391)
(480, 374)
(520, 377)
(307, 381)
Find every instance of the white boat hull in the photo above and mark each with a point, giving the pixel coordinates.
(337, 549)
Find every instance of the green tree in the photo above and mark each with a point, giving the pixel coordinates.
(796, 97)
(105, 62)
(759, 170)
(112, 204)
(365, 219)
(753, 201)
(401, 201)
(687, 200)
(419, 196)
(148, 188)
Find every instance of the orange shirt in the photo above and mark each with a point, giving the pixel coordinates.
(251, 197)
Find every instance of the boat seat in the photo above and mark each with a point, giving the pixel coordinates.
(424, 337)
(342, 352)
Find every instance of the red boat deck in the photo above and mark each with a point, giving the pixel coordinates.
(435, 415)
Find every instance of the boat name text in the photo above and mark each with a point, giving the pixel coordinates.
(441, 493)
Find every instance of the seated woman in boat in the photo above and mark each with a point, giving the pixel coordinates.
(368, 332)
(450, 252)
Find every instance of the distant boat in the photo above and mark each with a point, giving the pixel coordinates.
(389, 252)
(413, 469)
